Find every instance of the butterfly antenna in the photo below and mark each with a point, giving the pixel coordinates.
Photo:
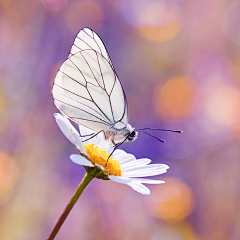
(158, 129)
(161, 140)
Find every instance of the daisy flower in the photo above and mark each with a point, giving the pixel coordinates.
(121, 167)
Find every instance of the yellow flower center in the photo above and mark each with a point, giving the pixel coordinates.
(99, 156)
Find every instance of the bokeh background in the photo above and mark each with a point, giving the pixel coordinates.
(179, 63)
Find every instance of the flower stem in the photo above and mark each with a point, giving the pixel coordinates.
(83, 184)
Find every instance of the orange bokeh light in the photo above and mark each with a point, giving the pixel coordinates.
(19, 10)
(175, 98)
(172, 201)
(160, 21)
(160, 33)
(8, 173)
(81, 14)
(222, 107)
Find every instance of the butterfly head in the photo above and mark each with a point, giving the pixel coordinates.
(132, 136)
(132, 133)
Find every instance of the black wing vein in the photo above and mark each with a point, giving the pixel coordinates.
(82, 110)
(78, 101)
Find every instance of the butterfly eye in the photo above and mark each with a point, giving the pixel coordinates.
(131, 136)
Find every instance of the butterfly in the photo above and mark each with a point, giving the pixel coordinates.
(87, 91)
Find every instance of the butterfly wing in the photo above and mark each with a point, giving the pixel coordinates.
(88, 39)
(86, 88)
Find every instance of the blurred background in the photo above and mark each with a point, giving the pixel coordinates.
(179, 63)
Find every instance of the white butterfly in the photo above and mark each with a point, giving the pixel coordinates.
(87, 90)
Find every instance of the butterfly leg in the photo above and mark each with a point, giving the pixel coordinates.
(91, 136)
(116, 146)
(88, 135)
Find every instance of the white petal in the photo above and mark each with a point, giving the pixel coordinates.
(135, 185)
(139, 187)
(154, 166)
(119, 179)
(103, 143)
(123, 157)
(84, 131)
(135, 164)
(70, 132)
(98, 140)
(99, 166)
(148, 181)
(78, 143)
(126, 180)
(66, 127)
(118, 152)
(78, 159)
(149, 170)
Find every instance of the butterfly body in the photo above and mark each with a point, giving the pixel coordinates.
(117, 136)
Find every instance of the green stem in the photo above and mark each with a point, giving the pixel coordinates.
(83, 184)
